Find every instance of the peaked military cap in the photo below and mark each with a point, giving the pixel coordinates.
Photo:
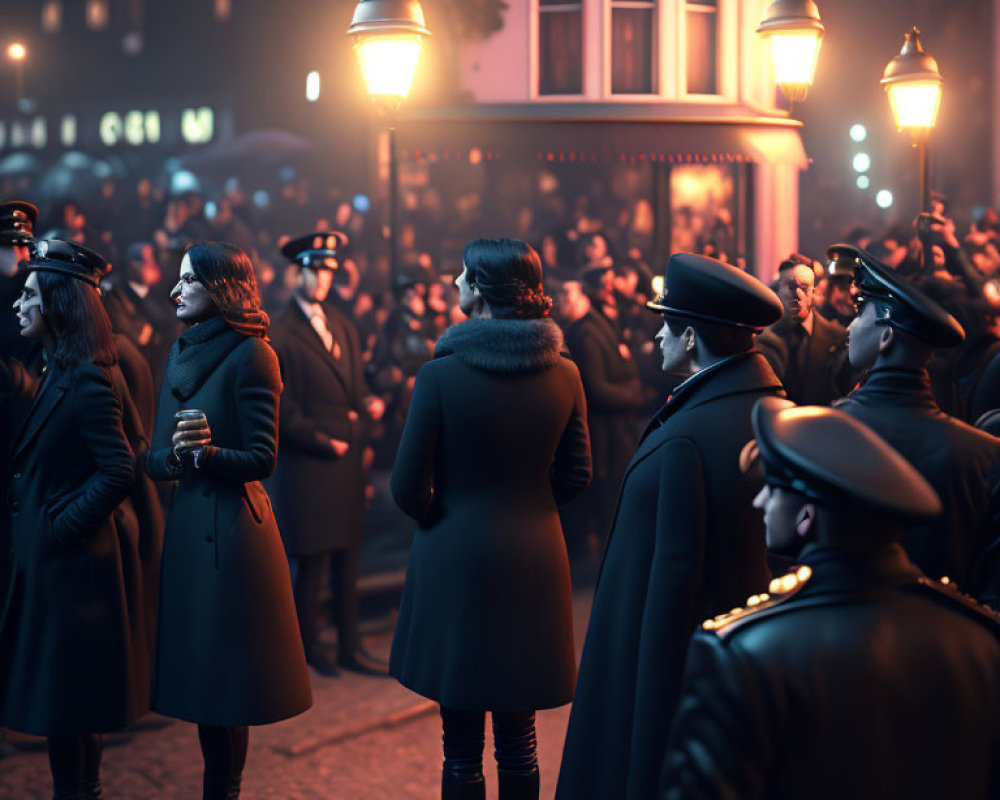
(700, 288)
(842, 260)
(17, 223)
(321, 250)
(69, 258)
(834, 459)
(900, 304)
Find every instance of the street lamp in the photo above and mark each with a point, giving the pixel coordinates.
(913, 83)
(795, 32)
(388, 37)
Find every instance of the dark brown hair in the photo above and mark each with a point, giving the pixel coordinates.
(227, 273)
(508, 273)
(76, 317)
(719, 340)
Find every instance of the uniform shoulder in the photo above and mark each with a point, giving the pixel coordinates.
(761, 606)
(946, 593)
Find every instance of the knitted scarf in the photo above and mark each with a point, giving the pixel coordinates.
(197, 353)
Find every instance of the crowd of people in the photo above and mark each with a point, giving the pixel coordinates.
(184, 478)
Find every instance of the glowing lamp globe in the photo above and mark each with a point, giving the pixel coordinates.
(913, 83)
(795, 32)
(388, 37)
(17, 52)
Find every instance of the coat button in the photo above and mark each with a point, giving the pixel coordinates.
(15, 506)
(17, 476)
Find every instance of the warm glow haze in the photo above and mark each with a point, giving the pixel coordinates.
(17, 52)
(915, 105)
(388, 65)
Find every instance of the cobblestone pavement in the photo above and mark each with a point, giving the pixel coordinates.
(366, 738)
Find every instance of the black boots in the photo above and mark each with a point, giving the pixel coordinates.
(91, 790)
(459, 786)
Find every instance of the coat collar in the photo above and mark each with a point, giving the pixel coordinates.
(503, 345)
(740, 374)
(51, 390)
(850, 570)
(895, 386)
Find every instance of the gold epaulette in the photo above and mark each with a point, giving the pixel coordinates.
(946, 588)
(778, 591)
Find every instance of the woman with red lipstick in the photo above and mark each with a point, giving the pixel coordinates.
(229, 653)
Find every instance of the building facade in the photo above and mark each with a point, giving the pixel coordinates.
(672, 99)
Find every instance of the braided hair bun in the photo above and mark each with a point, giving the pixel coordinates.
(508, 273)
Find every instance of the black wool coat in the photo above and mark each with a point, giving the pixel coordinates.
(495, 439)
(827, 375)
(868, 682)
(228, 650)
(959, 461)
(686, 544)
(611, 382)
(73, 653)
(318, 497)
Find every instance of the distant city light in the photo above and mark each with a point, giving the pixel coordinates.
(862, 162)
(97, 14)
(859, 132)
(361, 203)
(475, 156)
(68, 131)
(211, 210)
(184, 181)
(102, 170)
(863, 182)
(52, 16)
(884, 198)
(17, 52)
(312, 86)
(288, 174)
(261, 198)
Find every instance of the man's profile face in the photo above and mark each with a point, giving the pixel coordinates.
(781, 511)
(863, 335)
(795, 289)
(673, 348)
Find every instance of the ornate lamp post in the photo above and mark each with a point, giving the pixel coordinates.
(388, 38)
(913, 83)
(795, 32)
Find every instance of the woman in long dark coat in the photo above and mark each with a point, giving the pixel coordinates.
(495, 439)
(228, 653)
(73, 650)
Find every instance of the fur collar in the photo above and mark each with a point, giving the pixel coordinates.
(503, 345)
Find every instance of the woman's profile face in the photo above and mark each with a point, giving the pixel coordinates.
(29, 309)
(466, 299)
(194, 303)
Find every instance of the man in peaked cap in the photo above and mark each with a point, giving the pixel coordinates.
(895, 335)
(318, 485)
(685, 543)
(613, 389)
(806, 351)
(839, 304)
(17, 226)
(854, 675)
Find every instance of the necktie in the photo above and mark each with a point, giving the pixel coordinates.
(318, 320)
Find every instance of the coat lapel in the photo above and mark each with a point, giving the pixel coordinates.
(46, 400)
(308, 336)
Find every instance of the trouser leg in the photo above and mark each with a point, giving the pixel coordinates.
(463, 738)
(516, 755)
(309, 574)
(345, 565)
(66, 760)
(225, 753)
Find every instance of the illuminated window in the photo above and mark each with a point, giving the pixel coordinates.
(52, 16)
(68, 131)
(560, 47)
(702, 20)
(97, 14)
(197, 125)
(633, 46)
